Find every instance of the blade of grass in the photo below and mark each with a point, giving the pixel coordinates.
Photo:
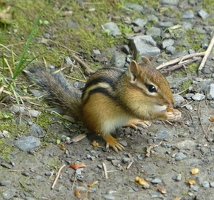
(20, 66)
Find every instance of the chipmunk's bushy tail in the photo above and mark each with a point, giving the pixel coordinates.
(57, 88)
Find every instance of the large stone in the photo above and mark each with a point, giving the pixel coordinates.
(113, 28)
(144, 45)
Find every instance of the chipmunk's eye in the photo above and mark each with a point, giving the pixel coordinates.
(151, 88)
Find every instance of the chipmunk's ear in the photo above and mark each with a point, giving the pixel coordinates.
(145, 60)
(134, 70)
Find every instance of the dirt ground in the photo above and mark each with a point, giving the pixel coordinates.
(163, 154)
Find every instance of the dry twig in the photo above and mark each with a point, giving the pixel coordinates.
(130, 164)
(180, 64)
(81, 62)
(207, 53)
(177, 60)
(202, 126)
(188, 59)
(57, 176)
(105, 170)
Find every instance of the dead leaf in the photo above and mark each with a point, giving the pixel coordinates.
(78, 138)
(95, 144)
(77, 166)
(142, 182)
(161, 190)
(191, 182)
(92, 184)
(194, 171)
(77, 193)
(5, 16)
(212, 118)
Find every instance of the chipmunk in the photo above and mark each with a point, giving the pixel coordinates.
(112, 97)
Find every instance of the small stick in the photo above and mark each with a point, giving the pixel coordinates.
(57, 176)
(87, 68)
(130, 164)
(105, 170)
(75, 178)
(199, 115)
(207, 53)
(172, 62)
(179, 65)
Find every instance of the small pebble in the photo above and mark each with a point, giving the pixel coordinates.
(198, 97)
(126, 160)
(27, 143)
(205, 184)
(5, 183)
(156, 180)
(180, 156)
(188, 107)
(115, 162)
(178, 177)
(194, 187)
(6, 165)
(212, 184)
(203, 14)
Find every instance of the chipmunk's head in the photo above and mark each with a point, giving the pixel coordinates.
(149, 86)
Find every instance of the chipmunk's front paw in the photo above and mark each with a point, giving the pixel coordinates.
(134, 122)
(173, 114)
(112, 142)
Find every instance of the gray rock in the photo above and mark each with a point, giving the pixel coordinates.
(33, 113)
(165, 24)
(140, 22)
(152, 18)
(118, 59)
(186, 25)
(9, 194)
(188, 14)
(203, 14)
(170, 2)
(96, 52)
(212, 184)
(162, 135)
(135, 7)
(144, 45)
(194, 187)
(186, 144)
(72, 24)
(109, 197)
(178, 99)
(205, 184)
(180, 156)
(6, 165)
(178, 177)
(167, 42)
(126, 160)
(113, 28)
(156, 180)
(198, 97)
(188, 96)
(27, 143)
(153, 31)
(68, 61)
(36, 131)
(170, 49)
(210, 95)
(5, 183)
(125, 49)
(115, 162)
(17, 109)
(188, 107)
